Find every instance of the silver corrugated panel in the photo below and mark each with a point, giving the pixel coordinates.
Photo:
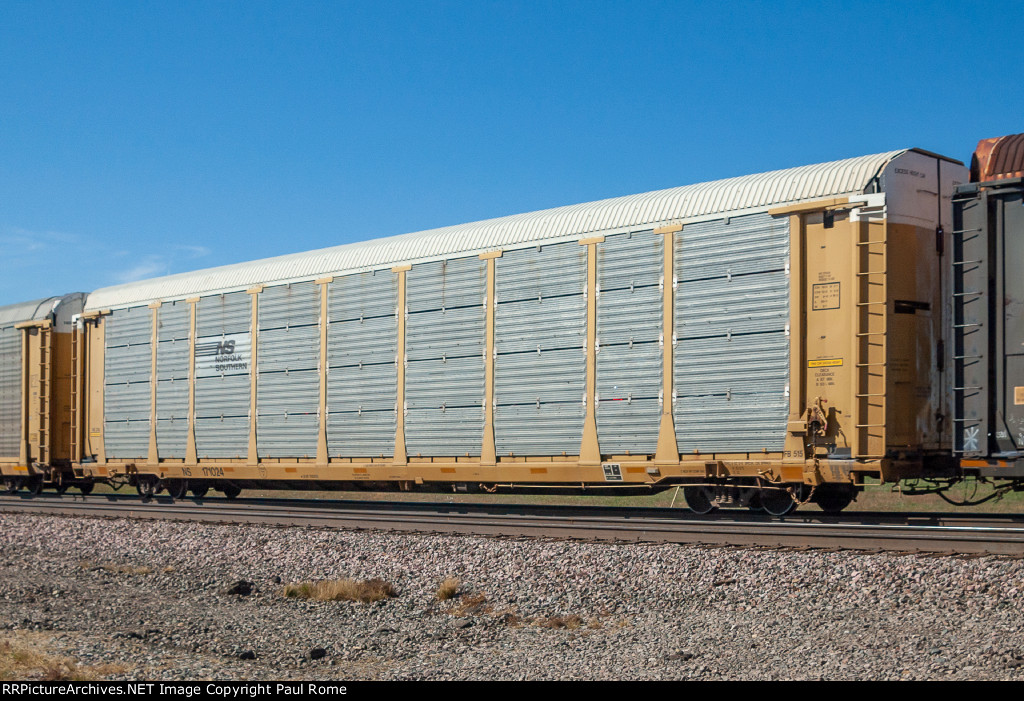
(172, 436)
(10, 391)
(457, 332)
(758, 362)
(222, 396)
(630, 260)
(743, 304)
(295, 348)
(752, 192)
(129, 327)
(548, 376)
(173, 321)
(288, 392)
(128, 364)
(430, 384)
(542, 271)
(12, 314)
(444, 284)
(369, 387)
(281, 306)
(287, 435)
(361, 434)
(744, 423)
(172, 399)
(367, 341)
(127, 401)
(224, 314)
(731, 317)
(222, 438)
(625, 371)
(555, 322)
(628, 426)
(623, 315)
(362, 296)
(741, 244)
(126, 439)
(172, 359)
(550, 429)
(447, 432)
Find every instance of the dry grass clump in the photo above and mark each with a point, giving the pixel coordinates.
(23, 661)
(362, 590)
(570, 622)
(448, 589)
(471, 605)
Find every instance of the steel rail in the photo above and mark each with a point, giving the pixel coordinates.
(941, 533)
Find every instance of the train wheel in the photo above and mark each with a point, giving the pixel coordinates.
(199, 491)
(85, 487)
(833, 498)
(12, 485)
(699, 499)
(777, 502)
(147, 486)
(230, 490)
(60, 483)
(178, 489)
(34, 485)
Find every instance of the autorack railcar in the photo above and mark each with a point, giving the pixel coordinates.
(760, 340)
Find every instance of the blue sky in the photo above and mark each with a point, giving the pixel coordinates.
(145, 138)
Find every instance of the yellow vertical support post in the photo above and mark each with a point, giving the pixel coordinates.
(401, 458)
(154, 340)
(590, 448)
(96, 378)
(23, 453)
(254, 336)
(668, 448)
(488, 454)
(794, 444)
(190, 445)
(322, 456)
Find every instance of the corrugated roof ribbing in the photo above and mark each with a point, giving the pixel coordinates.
(689, 202)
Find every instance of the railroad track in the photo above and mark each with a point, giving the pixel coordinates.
(918, 532)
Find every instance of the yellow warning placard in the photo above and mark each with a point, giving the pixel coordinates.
(831, 362)
(1018, 395)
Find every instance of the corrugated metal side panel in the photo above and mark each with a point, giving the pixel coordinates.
(128, 360)
(548, 429)
(543, 271)
(287, 421)
(365, 434)
(222, 400)
(540, 368)
(226, 437)
(172, 372)
(10, 391)
(362, 380)
(288, 390)
(629, 358)
(224, 314)
(363, 296)
(731, 317)
(283, 306)
(689, 202)
(448, 333)
(173, 322)
(446, 284)
(445, 402)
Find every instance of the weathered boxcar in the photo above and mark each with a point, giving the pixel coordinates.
(988, 311)
(36, 416)
(752, 338)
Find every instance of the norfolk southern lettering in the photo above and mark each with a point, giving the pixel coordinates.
(226, 358)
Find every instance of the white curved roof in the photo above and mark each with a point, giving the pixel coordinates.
(718, 198)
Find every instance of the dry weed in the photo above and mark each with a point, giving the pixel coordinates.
(24, 660)
(448, 589)
(362, 590)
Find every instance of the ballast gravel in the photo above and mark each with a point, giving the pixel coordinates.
(165, 600)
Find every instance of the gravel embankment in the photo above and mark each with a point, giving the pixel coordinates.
(645, 611)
